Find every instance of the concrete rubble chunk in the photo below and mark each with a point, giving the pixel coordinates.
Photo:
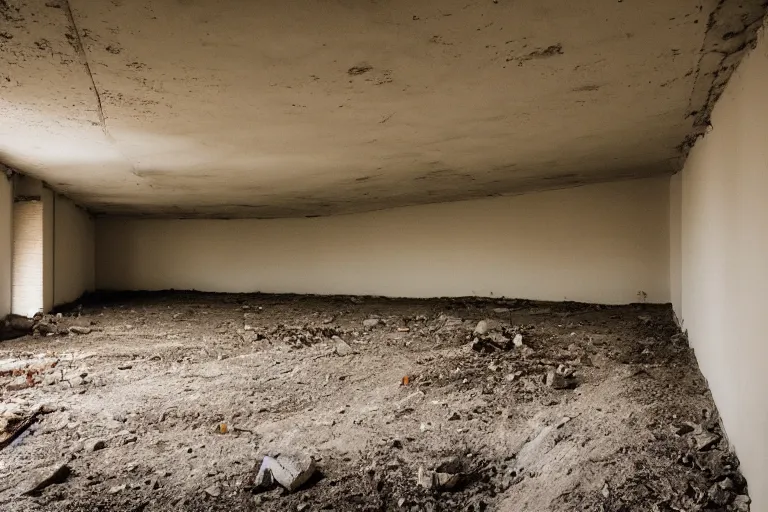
(46, 477)
(116, 489)
(741, 503)
(439, 480)
(342, 348)
(289, 471)
(482, 327)
(95, 445)
(423, 478)
(445, 481)
(706, 440)
(555, 380)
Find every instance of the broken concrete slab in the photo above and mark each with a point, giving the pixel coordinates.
(289, 471)
(94, 445)
(341, 347)
(706, 440)
(44, 478)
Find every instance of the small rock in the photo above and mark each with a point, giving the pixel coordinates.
(423, 479)
(48, 408)
(454, 416)
(445, 481)
(45, 477)
(213, 491)
(125, 367)
(342, 348)
(482, 327)
(18, 384)
(95, 445)
(371, 322)
(706, 440)
(76, 329)
(718, 495)
(401, 502)
(117, 489)
(726, 484)
(685, 428)
(518, 340)
(606, 491)
(741, 503)
(512, 376)
(501, 310)
(555, 380)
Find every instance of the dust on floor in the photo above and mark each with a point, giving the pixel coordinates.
(170, 401)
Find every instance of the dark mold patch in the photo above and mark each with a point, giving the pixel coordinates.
(561, 177)
(586, 88)
(541, 53)
(9, 12)
(359, 69)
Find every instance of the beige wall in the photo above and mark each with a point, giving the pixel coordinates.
(73, 251)
(599, 243)
(6, 243)
(723, 263)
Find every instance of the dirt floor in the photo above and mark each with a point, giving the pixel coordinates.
(590, 408)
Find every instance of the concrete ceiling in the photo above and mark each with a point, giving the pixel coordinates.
(280, 108)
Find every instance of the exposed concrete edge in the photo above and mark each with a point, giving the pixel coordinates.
(602, 179)
(9, 172)
(732, 32)
(104, 295)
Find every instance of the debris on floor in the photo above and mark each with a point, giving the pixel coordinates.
(214, 402)
(289, 471)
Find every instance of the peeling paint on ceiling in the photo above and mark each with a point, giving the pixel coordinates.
(284, 108)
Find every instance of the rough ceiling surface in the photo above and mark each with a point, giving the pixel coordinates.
(282, 108)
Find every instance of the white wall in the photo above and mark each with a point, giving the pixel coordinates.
(73, 251)
(600, 243)
(6, 243)
(28, 248)
(48, 240)
(723, 262)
